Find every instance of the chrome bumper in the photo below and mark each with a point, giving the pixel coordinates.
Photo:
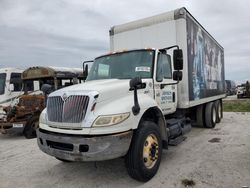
(84, 148)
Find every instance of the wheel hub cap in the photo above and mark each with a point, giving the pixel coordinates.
(150, 151)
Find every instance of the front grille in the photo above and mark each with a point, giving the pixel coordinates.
(72, 110)
(60, 146)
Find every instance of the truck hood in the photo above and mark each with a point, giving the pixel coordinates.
(106, 89)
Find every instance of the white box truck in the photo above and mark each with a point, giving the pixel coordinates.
(10, 87)
(166, 73)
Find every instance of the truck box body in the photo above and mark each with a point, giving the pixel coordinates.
(203, 57)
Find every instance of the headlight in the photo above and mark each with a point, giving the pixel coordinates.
(43, 118)
(110, 120)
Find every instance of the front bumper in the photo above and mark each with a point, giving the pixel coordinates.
(84, 148)
(16, 127)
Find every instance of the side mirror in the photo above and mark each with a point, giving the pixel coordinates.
(178, 59)
(85, 67)
(11, 87)
(135, 82)
(177, 75)
(85, 71)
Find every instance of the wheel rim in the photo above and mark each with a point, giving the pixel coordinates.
(150, 151)
(219, 111)
(214, 115)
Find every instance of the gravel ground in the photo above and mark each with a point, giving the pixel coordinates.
(218, 157)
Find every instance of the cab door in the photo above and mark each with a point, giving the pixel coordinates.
(165, 86)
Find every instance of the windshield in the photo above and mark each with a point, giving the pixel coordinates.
(2, 82)
(124, 65)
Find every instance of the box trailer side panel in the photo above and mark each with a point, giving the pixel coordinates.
(205, 63)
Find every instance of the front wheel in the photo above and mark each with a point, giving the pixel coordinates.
(30, 128)
(144, 155)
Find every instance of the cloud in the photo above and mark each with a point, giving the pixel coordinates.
(23, 48)
(64, 33)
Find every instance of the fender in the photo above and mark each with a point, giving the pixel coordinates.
(125, 104)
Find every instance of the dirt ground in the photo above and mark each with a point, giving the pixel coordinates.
(218, 157)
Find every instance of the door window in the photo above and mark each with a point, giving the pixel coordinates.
(29, 85)
(2, 82)
(163, 67)
(15, 79)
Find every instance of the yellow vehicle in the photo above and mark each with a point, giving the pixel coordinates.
(23, 117)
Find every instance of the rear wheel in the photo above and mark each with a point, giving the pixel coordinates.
(144, 156)
(30, 128)
(210, 115)
(200, 116)
(219, 111)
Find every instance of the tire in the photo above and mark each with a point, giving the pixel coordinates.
(210, 115)
(144, 156)
(63, 160)
(219, 111)
(200, 116)
(30, 128)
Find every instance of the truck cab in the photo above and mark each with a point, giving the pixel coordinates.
(153, 66)
(125, 92)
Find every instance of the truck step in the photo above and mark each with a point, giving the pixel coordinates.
(177, 140)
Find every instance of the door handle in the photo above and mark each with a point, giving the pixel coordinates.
(173, 96)
(162, 85)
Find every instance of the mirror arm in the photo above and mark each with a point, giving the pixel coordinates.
(136, 108)
(175, 46)
(135, 84)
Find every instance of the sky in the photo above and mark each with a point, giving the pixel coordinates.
(68, 32)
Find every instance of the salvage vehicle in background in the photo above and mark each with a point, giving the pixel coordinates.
(24, 116)
(10, 87)
(243, 90)
(231, 88)
(10, 84)
(136, 102)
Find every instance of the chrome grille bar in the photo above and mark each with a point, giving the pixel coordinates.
(72, 110)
